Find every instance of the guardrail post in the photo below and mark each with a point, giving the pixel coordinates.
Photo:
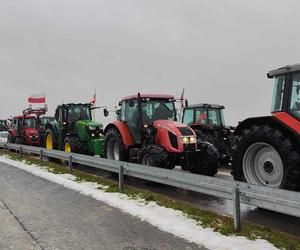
(21, 151)
(4, 147)
(41, 157)
(236, 209)
(121, 178)
(70, 164)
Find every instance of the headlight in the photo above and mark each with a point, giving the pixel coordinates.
(187, 139)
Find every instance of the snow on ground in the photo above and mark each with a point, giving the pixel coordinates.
(166, 219)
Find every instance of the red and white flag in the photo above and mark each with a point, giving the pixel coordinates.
(94, 99)
(37, 98)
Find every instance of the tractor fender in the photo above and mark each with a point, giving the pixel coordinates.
(122, 128)
(271, 120)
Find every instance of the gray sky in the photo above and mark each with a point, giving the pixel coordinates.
(219, 51)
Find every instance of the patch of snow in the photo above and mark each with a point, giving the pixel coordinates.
(166, 219)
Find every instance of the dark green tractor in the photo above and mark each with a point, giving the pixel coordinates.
(73, 130)
(207, 120)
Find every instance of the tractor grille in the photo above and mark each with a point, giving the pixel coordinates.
(173, 140)
(186, 131)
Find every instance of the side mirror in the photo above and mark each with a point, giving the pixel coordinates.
(105, 112)
(186, 103)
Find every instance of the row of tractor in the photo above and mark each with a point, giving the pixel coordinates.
(261, 150)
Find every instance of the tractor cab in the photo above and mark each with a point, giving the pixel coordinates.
(139, 113)
(286, 95)
(208, 115)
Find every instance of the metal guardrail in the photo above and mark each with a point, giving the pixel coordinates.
(278, 200)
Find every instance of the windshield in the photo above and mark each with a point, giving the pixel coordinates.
(295, 96)
(29, 123)
(209, 116)
(45, 120)
(79, 113)
(158, 109)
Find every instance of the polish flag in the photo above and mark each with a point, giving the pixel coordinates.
(94, 99)
(37, 98)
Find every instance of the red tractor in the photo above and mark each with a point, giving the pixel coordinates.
(266, 150)
(147, 132)
(26, 128)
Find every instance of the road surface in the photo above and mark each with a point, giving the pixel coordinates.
(38, 214)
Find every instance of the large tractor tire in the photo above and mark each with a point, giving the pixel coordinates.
(155, 156)
(264, 155)
(207, 160)
(114, 148)
(50, 139)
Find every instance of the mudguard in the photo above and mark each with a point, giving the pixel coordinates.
(123, 130)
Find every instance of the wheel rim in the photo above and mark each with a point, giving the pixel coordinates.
(68, 148)
(148, 161)
(113, 150)
(49, 142)
(262, 165)
(116, 151)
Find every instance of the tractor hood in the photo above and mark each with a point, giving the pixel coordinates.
(174, 136)
(90, 123)
(177, 128)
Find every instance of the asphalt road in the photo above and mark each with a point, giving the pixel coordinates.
(38, 214)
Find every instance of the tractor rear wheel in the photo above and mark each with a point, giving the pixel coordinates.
(264, 155)
(155, 156)
(114, 148)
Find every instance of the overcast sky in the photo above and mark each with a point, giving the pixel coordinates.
(219, 51)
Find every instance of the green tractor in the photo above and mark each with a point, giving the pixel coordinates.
(73, 130)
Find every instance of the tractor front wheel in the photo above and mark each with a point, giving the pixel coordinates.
(263, 155)
(155, 156)
(72, 145)
(114, 148)
(207, 160)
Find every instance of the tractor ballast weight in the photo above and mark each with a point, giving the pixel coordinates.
(147, 132)
(266, 150)
(207, 120)
(73, 130)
